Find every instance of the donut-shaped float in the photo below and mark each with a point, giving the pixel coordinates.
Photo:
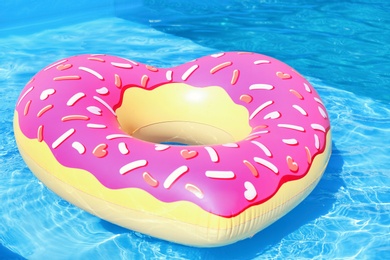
(206, 153)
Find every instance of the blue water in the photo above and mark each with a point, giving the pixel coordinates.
(342, 47)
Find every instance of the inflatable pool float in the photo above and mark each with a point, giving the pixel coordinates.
(205, 154)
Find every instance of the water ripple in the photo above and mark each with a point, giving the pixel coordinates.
(346, 216)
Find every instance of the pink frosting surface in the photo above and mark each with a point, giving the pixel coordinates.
(70, 105)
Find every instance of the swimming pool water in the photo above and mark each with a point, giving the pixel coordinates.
(340, 46)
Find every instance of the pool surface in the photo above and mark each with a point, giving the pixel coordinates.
(342, 47)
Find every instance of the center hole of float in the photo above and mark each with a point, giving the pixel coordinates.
(178, 113)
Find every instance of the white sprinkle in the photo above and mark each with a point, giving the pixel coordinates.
(104, 104)
(257, 62)
(316, 141)
(132, 166)
(91, 72)
(294, 127)
(300, 109)
(322, 112)
(261, 107)
(174, 176)
(220, 174)
(76, 97)
(96, 126)
(161, 147)
(55, 64)
(79, 147)
(195, 190)
(318, 127)
(272, 115)
(46, 93)
(102, 91)
(62, 138)
(95, 110)
(212, 153)
(231, 145)
(307, 87)
(259, 133)
(123, 148)
(135, 63)
(319, 101)
(98, 54)
(189, 72)
(262, 147)
(169, 75)
(250, 191)
(25, 94)
(121, 65)
(115, 136)
(217, 55)
(261, 86)
(291, 141)
(267, 164)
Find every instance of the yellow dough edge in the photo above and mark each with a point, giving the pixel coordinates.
(181, 222)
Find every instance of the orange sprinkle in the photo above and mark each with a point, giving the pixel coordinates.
(308, 154)
(283, 75)
(27, 107)
(251, 168)
(44, 110)
(40, 133)
(246, 98)
(149, 179)
(96, 59)
(245, 52)
(144, 81)
(220, 66)
(64, 66)
(188, 154)
(253, 137)
(118, 81)
(74, 117)
(75, 77)
(100, 150)
(292, 165)
(236, 74)
(259, 127)
(296, 93)
(151, 68)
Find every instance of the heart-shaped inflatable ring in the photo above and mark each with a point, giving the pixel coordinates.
(107, 134)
